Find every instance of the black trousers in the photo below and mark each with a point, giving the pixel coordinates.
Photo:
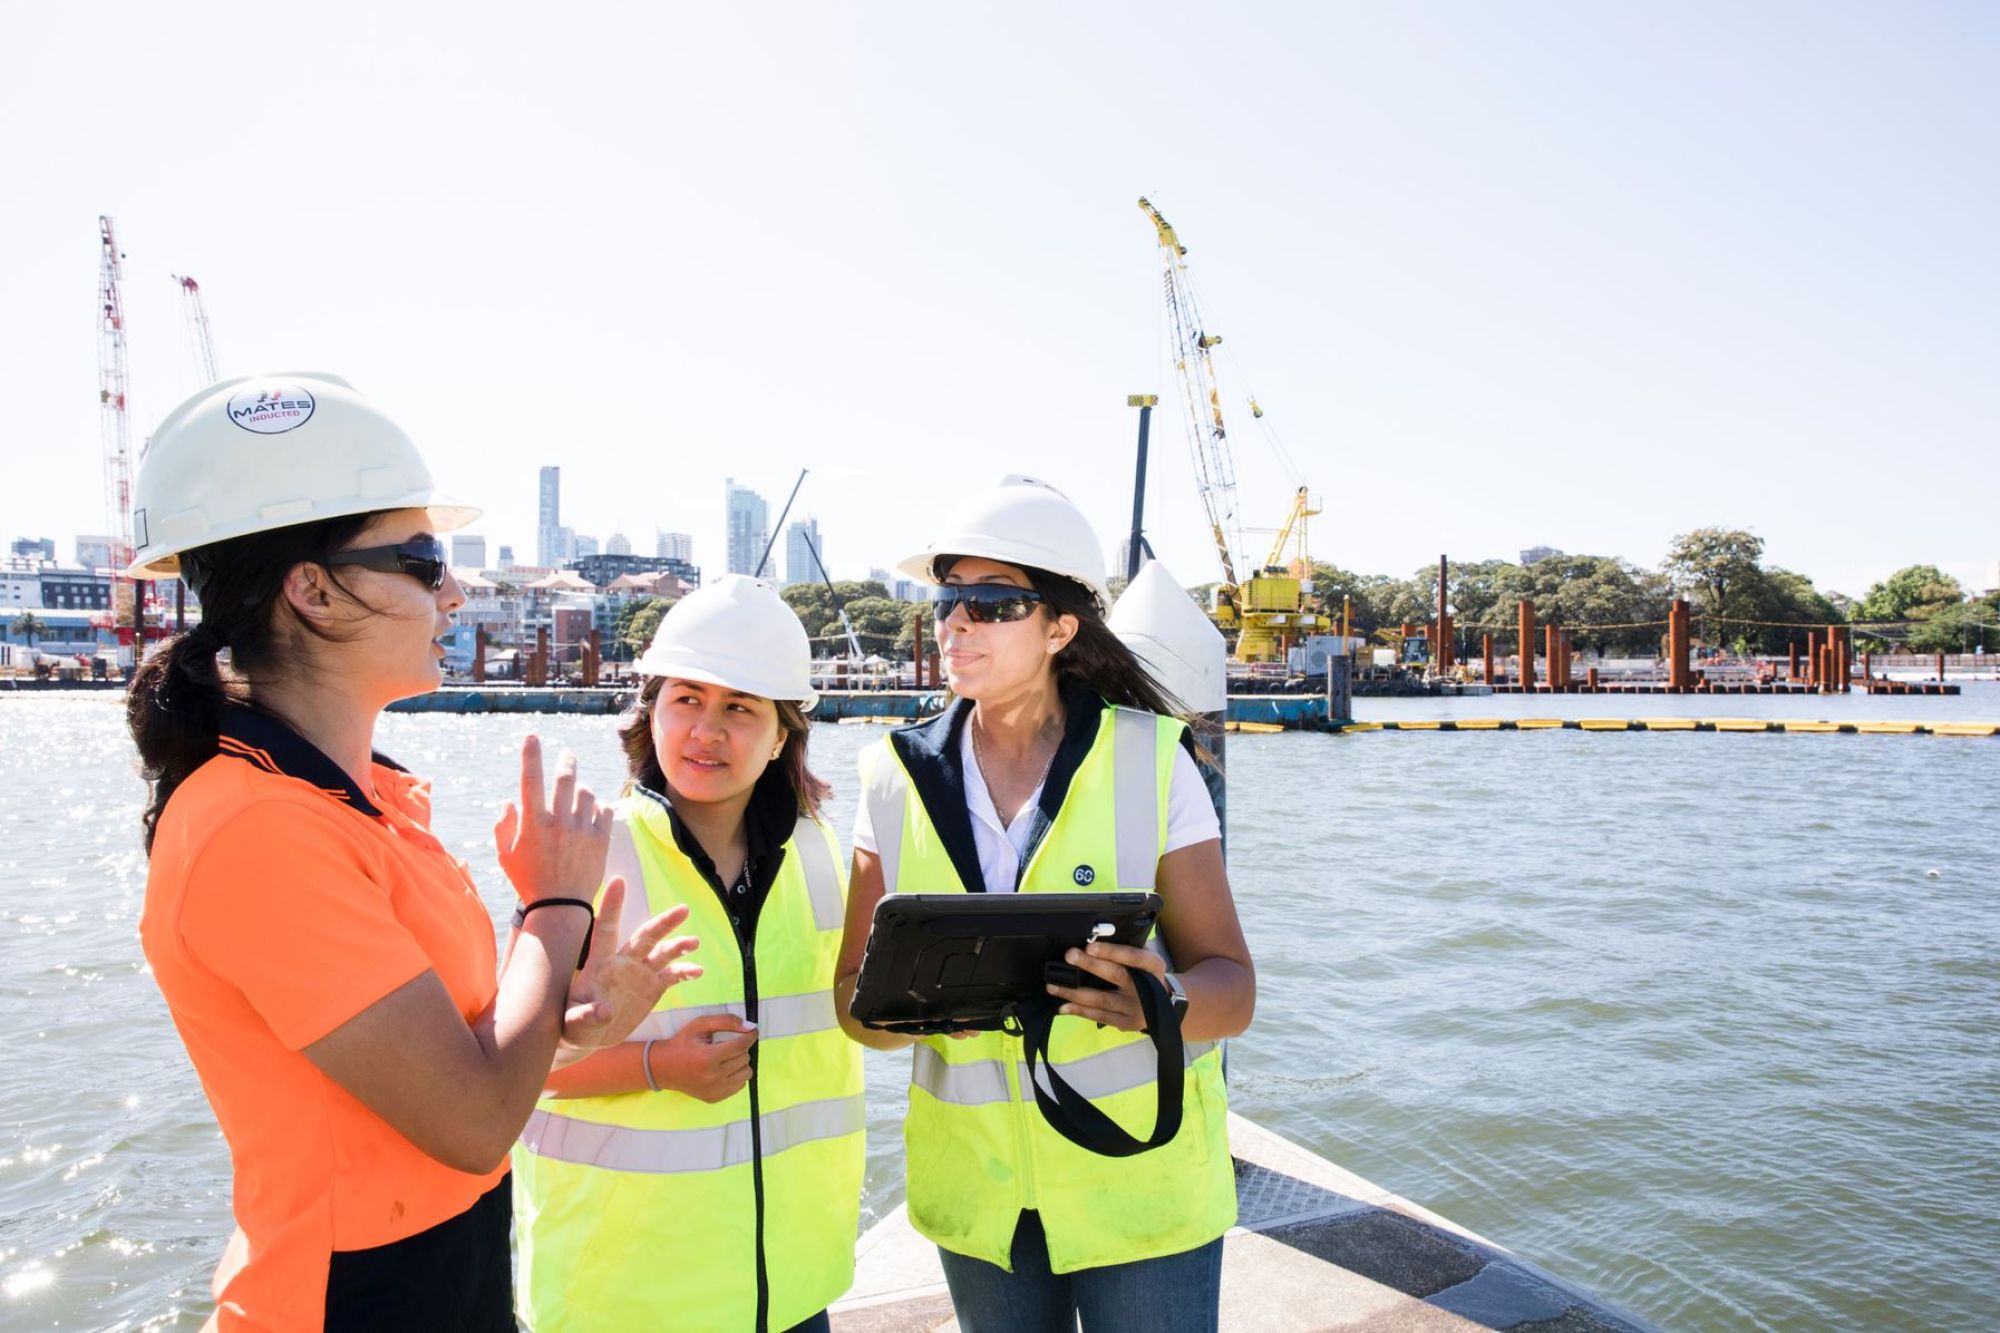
(456, 1277)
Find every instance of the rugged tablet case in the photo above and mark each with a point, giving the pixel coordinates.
(937, 962)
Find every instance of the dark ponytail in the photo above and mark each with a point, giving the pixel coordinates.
(177, 697)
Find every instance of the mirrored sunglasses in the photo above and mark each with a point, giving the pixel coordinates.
(984, 603)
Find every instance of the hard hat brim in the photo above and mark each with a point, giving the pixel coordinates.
(686, 671)
(447, 515)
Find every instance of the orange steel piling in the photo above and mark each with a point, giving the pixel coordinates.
(1486, 654)
(1527, 645)
(479, 655)
(1679, 674)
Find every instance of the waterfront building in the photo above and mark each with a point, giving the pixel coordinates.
(617, 544)
(802, 540)
(548, 527)
(749, 527)
(468, 552)
(1534, 553)
(674, 545)
(488, 606)
(600, 570)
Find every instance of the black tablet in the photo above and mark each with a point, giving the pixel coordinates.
(943, 961)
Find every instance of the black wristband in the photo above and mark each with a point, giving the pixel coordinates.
(521, 911)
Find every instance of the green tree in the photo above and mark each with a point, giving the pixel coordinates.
(1932, 601)
(622, 649)
(29, 627)
(1332, 585)
(643, 622)
(1717, 570)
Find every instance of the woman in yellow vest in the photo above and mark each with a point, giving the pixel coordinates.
(1060, 766)
(707, 1173)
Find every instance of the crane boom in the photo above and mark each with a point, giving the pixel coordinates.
(117, 429)
(1215, 472)
(199, 339)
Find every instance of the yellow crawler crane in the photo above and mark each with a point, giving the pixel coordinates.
(1265, 612)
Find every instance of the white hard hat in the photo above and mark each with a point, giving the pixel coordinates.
(738, 633)
(260, 452)
(1023, 522)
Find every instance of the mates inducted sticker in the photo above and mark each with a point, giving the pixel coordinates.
(1084, 875)
(271, 409)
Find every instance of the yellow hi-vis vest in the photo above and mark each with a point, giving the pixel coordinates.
(659, 1210)
(977, 1150)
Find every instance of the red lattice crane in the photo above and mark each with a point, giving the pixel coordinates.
(199, 338)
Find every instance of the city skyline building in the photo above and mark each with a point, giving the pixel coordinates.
(581, 545)
(548, 521)
(802, 540)
(468, 550)
(1534, 553)
(748, 521)
(617, 544)
(674, 546)
(41, 548)
(506, 555)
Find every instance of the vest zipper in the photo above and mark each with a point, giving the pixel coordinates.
(756, 1137)
(1020, 1110)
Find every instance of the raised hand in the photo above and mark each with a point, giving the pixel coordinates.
(553, 846)
(621, 982)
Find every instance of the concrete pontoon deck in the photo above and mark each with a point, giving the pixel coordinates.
(1315, 1247)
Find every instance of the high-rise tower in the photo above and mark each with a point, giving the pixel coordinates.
(548, 527)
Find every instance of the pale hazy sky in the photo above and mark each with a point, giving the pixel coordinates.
(1578, 274)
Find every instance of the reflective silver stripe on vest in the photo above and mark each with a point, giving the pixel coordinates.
(1135, 788)
(887, 786)
(973, 1083)
(659, 1151)
(822, 878)
(622, 862)
(777, 1016)
(982, 1082)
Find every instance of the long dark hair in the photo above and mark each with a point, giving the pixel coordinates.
(175, 703)
(1096, 657)
(642, 761)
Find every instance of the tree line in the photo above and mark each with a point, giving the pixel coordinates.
(1613, 606)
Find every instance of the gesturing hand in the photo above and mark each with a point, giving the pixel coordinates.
(1115, 963)
(709, 1059)
(553, 847)
(623, 981)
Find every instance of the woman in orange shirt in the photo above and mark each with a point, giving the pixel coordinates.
(328, 962)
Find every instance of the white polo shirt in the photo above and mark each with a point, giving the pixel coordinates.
(1190, 817)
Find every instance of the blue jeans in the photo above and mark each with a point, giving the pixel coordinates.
(1176, 1293)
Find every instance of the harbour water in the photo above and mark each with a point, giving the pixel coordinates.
(1706, 1023)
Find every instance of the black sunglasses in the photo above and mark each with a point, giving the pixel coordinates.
(984, 603)
(423, 559)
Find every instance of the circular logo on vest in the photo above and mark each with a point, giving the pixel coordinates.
(271, 409)
(1084, 875)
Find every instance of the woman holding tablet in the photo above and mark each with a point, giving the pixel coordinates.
(707, 1173)
(327, 960)
(1059, 767)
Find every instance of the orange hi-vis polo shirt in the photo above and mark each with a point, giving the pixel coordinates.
(282, 901)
